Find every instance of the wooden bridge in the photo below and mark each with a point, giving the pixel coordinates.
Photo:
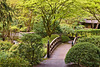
(56, 56)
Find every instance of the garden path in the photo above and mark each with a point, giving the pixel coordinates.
(57, 58)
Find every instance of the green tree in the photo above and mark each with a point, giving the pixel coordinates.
(51, 11)
(93, 7)
(32, 48)
(5, 18)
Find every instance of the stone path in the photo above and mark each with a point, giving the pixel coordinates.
(57, 58)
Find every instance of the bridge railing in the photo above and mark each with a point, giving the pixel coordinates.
(51, 46)
(74, 41)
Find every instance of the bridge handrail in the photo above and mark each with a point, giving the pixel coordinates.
(51, 47)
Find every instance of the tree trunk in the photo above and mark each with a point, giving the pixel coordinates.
(3, 36)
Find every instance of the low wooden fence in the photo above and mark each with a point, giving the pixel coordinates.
(51, 46)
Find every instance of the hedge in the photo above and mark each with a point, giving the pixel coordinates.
(85, 32)
(5, 45)
(93, 39)
(88, 32)
(64, 38)
(84, 54)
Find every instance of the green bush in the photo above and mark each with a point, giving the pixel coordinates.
(64, 38)
(58, 30)
(23, 29)
(85, 54)
(31, 48)
(14, 50)
(0, 36)
(66, 29)
(7, 61)
(31, 38)
(88, 32)
(39, 29)
(93, 39)
(14, 29)
(45, 40)
(5, 45)
(77, 26)
(9, 56)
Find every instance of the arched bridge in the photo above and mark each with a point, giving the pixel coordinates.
(56, 56)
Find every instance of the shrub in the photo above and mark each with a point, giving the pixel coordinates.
(94, 40)
(77, 26)
(88, 32)
(23, 29)
(31, 48)
(58, 30)
(0, 36)
(85, 54)
(7, 61)
(66, 29)
(45, 40)
(31, 38)
(14, 29)
(53, 36)
(14, 50)
(64, 38)
(5, 45)
(39, 29)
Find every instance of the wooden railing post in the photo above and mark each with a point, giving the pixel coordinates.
(76, 35)
(72, 44)
(48, 49)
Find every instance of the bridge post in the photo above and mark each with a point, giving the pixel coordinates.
(76, 35)
(48, 49)
(72, 44)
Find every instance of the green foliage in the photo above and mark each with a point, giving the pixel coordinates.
(30, 52)
(93, 39)
(31, 38)
(64, 38)
(51, 12)
(9, 56)
(92, 7)
(5, 18)
(14, 50)
(45, 40)
(14, 29)
(77, 26)
(88, 32)
(31, 49)
(0, 36)
(6, 60)
(23, 29)
(39, 29)
(5, 45)
(33, 55)
(66, 29)
(58, 30)
(5, 11)
(85, 54)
